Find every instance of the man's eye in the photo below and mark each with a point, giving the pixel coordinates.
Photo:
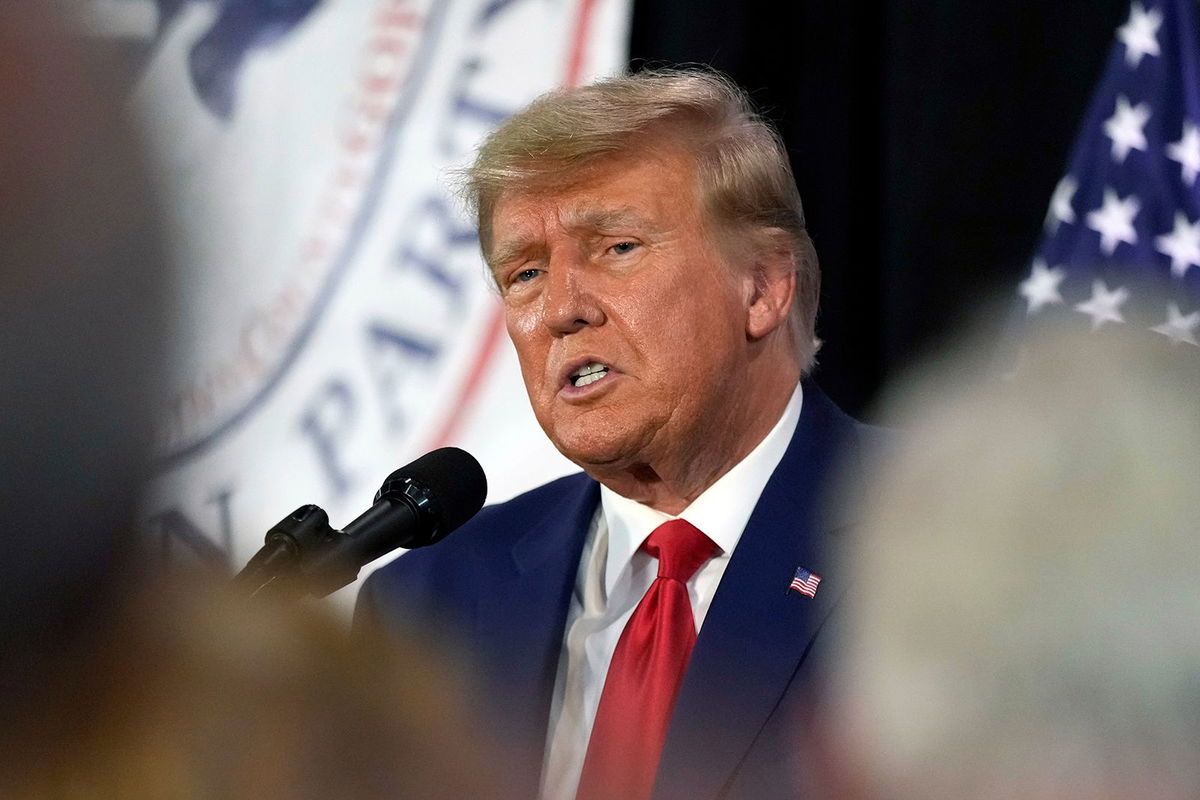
(525, 275)
(623, 248)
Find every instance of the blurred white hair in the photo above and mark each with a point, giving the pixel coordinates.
(1029, 582)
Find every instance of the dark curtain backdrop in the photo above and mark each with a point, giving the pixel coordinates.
(926, 138)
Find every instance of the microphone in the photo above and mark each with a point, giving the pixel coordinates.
(417, 505)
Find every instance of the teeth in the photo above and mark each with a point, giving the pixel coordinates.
(589, 374)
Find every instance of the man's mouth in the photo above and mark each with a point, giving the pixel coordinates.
(589, 373)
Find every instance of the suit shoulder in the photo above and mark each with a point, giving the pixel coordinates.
(445, 580)
(876, 440)
(532, 501)
(870, 439)
(498, 526)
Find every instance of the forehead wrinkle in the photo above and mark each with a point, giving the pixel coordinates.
(592, 218)
(585, 219)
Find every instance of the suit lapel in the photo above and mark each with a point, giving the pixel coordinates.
(520, 623)
(757, 632)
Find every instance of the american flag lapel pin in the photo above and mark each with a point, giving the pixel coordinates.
(804, 582)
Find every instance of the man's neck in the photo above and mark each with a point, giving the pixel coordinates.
(671, 484)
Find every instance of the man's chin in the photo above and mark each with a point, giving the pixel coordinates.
(593, 453)
(603, 438)
(594, 459)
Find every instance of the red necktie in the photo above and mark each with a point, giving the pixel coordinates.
(646, 670)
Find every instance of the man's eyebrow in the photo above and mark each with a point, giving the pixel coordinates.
(605, 219)
(510, 249)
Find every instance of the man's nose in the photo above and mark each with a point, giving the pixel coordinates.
(568, 303)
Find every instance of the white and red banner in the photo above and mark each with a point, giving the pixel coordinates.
(334, 317)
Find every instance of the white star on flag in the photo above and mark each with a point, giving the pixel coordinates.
(1140, 34)
(1114, 220)
(1182, 245)
(1041, 287)
(1104, 305)
(1178, 328)
(1125, 126)
(1187, 153)
(1060, 203)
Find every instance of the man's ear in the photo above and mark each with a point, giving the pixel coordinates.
(774, 287)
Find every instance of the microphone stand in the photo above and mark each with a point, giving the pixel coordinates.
(276, 569)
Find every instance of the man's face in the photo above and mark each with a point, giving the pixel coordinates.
(630, 327)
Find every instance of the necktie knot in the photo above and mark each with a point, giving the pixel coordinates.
(680, 547)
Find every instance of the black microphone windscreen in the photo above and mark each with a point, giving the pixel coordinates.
(454, 479)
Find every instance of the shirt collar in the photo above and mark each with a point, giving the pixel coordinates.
(721, 511)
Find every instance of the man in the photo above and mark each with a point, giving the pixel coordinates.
(660, 288)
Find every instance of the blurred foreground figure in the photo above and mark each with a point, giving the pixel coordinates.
(197, 694)
(80, 350)
(114, 684)
(1027, 614)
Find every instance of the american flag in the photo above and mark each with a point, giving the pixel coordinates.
(805, 582)
(1121, 245)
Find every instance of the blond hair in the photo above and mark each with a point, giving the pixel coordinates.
(744, 180)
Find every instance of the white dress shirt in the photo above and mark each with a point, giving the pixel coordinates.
(614, 574)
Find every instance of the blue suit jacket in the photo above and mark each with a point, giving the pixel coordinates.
(504, 582)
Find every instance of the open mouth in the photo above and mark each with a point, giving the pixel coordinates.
(589, 373)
